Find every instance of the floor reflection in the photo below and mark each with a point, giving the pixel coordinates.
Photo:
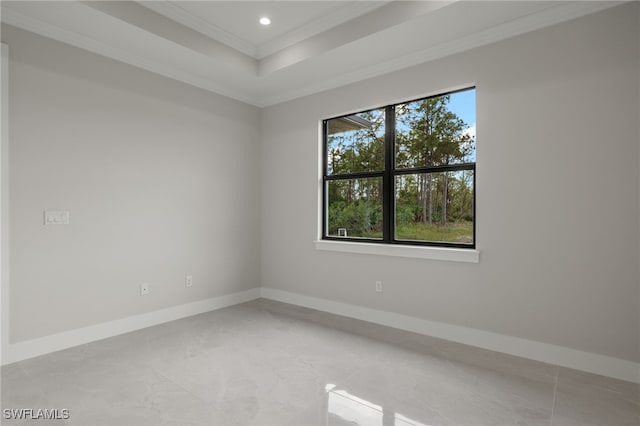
(344, 408)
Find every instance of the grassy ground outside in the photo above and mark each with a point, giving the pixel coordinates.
(456, 232)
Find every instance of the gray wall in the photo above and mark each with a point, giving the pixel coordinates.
(160, 179)
(557, 192)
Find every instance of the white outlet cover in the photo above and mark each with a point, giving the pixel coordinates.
(56, 217)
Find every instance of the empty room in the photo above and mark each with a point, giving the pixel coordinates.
(320, 213)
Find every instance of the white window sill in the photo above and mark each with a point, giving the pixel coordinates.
(420, 252)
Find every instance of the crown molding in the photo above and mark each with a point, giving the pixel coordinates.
(551, 16)
(178, 14)
(19, 20)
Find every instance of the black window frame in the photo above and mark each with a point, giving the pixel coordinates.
(388, 181)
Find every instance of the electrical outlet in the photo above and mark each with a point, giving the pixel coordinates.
(144, 289)
(56, 217)
(188, 281)
(379, 286)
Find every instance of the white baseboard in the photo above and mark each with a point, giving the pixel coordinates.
(55, 342)
(538, 351)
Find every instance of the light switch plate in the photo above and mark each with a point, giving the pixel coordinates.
(56, 217)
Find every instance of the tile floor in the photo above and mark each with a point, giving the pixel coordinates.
(268, 363)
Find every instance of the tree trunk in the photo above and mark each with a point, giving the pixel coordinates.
(423, 196)
(445, 195)
(430, 200)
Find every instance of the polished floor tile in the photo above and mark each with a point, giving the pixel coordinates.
(268, 363)
(585, 399)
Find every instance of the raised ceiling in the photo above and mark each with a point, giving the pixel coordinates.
(310, 46)
(236, 22)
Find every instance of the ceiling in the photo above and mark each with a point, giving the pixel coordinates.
(237, 23)
(309, 47)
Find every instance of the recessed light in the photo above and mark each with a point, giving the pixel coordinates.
(265, 21)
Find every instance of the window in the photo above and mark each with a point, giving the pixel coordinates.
(402, 174)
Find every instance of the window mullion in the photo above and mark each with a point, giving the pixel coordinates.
(355, 175)
(387, 185)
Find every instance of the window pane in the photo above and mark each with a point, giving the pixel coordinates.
(355, 208)
(436, 131)
(356, 143)
(436, 207)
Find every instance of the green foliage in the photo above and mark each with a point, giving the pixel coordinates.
(429, 134)
(359, 150)
(361, 219)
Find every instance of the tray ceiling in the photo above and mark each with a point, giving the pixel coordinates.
(310, 46)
